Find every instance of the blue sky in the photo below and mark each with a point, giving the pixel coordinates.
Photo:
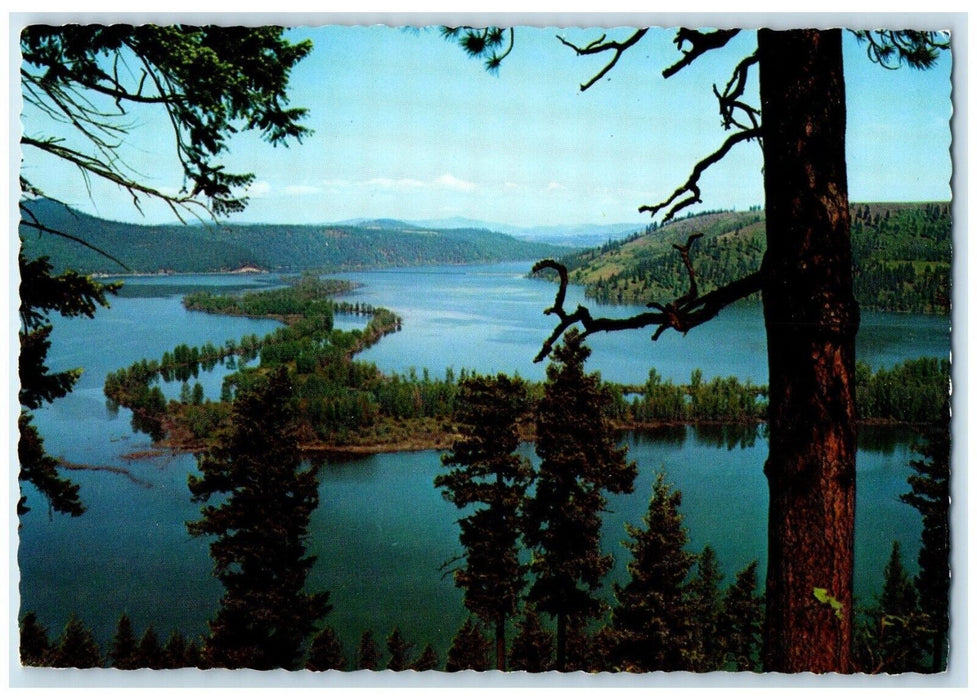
(407, 126)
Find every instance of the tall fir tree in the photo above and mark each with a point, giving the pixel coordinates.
(580, 461)
(532, 647)
(651, 626)
(741, 620)
(930, 495)
(399, 650)
(266, 497)
(326, 652)
(489, 480)
(469, 650)
(427, 661)
(367, 653)
(175, 651)
(891, 640)
(149, 652)
(34, 643)
(705, 604)
(76, 647)
(124, 651)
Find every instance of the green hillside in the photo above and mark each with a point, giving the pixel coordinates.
(901, 254)
(211, 248)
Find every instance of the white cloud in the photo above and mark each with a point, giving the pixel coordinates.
(400, 184)
(449, 181)
(554, 186)
(302, 190)
(258, 188)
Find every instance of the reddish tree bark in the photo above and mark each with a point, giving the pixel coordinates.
(811, 319)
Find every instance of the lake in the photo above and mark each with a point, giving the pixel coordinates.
(382, 531)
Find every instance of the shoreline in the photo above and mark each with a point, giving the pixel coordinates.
(441, 440)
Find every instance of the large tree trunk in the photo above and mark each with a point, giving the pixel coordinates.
(811, 318)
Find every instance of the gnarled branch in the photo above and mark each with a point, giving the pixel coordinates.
(599, 46)
(701, 43)
(729, 100)
(683, 314)
(691, 185)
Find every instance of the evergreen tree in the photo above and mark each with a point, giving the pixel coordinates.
(898, 593)
(741, 620)
(469, 649)
(43, 294)
(367, 654)
(175, 651)
(123, 653)
(651, 624)
(705, 602)
(893, 642)
(532, 647)
(399, 650)
(76, 648)
(150, 653)
(260, 525)
(930, 495)
(34, 644)
(579, 462)
(326, 653)
(427, 661)
(582, 648)
(194, 655)
(489, 480)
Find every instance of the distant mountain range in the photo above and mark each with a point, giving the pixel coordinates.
(568, 235)
(226, 247)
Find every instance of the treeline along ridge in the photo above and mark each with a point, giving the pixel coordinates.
(901, 257)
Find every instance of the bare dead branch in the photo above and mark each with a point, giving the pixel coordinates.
(691, 185)
(683, 314)
(599, 46)
(729, 100)
(701, 43)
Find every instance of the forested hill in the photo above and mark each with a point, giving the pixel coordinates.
(901, 257)
(211, 248)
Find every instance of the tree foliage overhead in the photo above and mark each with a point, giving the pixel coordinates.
(88, 81)
(85, 88)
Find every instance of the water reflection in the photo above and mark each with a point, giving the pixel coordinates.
(884, 439)
(662, 435)
(731, 435)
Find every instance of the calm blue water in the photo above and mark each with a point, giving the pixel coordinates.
(382, 531)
